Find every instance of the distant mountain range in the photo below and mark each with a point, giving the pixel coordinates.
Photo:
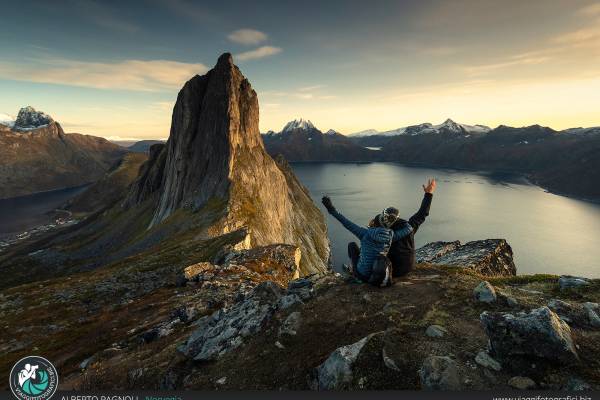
(566, 162)
(446, 126)
(36, 155)
(300, 140)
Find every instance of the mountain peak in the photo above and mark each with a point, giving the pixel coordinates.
(29, 118)
(303, 124)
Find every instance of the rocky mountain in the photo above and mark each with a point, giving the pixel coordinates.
(36, 155)
(211, 187)
(300, 140)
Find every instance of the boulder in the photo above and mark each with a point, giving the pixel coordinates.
(539, 334)
(439, 373)
(521, 382)
(485, 360)
(435, 331)
(569, 282)
(584, 315)
(485, 292)
(336, 372)
(490, 257)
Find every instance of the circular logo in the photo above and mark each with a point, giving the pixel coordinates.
(33, 377)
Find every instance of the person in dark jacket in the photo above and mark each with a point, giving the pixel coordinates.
(402, 252)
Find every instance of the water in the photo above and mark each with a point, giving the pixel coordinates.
(548, 233)
(19, 214)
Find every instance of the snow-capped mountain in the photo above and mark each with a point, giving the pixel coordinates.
(332, 132)
(428, 128)
(368, 132)
(303, 124)
(7, 120)
(29, 119)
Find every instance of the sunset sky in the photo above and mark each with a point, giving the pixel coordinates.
(113, 68)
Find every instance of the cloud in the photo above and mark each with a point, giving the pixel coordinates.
(104, 16)
(310, 88)
(260, 52)
(139, 75)
(590, 10)
(518, 60)
(247, 36)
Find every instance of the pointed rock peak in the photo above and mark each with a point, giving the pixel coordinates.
(29, 118)
(225, 58)
(332, 132)
(302, 124)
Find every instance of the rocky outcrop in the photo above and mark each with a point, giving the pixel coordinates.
(485, 292)
(487, 257)
(215, 155)
(228, 329)
(539, 334)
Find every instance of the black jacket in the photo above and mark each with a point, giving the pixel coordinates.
(402, 252)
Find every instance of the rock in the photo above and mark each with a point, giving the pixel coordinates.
(485, 360)
(433, 250)
(303, 288)
(582, 315)
(336, 372)
(569, 282)
(191, 273)
(521, 383)
(435, 331)
(490, 257)
(215, 151)
(87, 362)
(439, 373)
(221, 381)
(289, 300)
(226, 330)
(367, 298)
(576, 384)
(135, 374)
(485, 292)
(279, 345)
(185, 313)
(291, 324)
(541, 333)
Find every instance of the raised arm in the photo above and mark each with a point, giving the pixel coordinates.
(357, 230)
(416, 220)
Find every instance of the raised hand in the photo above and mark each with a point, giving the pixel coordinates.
(327, 203)
(430, 187)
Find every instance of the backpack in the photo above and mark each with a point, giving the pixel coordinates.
(381, 274)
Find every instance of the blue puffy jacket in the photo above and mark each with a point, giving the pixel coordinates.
(373, 241)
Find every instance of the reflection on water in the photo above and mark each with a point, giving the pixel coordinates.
(548, 233)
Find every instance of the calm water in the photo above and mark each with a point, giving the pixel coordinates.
(548, 233)
(19, 214)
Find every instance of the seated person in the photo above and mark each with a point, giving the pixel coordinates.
(370, 262)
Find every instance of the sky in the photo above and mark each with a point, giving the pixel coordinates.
(113, 68)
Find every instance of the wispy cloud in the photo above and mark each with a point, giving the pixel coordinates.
(139, 75)
(590, 10)
(247, 36)
(260, 52)
(104, 16)
(310, 88)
